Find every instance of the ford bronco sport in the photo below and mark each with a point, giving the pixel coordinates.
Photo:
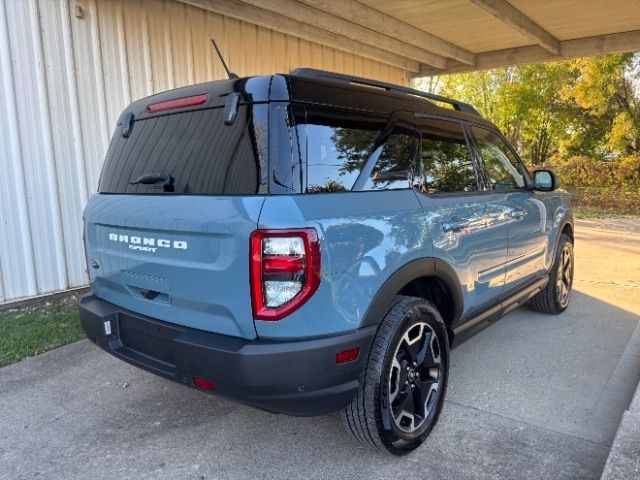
(313, 242)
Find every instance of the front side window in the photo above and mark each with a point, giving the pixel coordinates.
(501, 168)
(445, 160)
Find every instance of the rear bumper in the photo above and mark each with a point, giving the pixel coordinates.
(291, 377)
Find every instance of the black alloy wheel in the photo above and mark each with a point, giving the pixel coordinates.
(403, 387)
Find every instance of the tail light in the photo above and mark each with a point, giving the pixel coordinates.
(285, 271)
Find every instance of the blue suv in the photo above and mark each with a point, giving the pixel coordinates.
(313, 242)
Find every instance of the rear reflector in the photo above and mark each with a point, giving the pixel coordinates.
(203, 384)
(346, 356)
(178, 103)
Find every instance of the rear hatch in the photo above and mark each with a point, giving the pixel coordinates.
(180, 193)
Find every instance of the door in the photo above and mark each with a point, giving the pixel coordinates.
(527, 214)
(467, 225)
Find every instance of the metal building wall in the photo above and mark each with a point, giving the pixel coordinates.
(67, 69)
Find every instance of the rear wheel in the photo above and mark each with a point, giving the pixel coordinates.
(402, 390)
(555, 297)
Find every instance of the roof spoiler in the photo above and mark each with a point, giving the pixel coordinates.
(351, 80)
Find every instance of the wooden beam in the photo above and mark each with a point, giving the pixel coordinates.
(306, 15)
(599, 45)
(377, 21)
(581, 47)
(507, 13)
(264, 18)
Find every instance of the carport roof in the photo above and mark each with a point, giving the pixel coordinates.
(430, 37)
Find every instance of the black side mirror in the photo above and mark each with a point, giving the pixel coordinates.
(545, 180)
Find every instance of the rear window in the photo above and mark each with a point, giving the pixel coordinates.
(190, 152)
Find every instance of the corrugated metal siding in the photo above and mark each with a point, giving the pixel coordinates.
(64, 81)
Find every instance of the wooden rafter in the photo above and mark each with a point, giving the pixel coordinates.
(377, 21)
(306, 15)
(507, 13)
(582, 47)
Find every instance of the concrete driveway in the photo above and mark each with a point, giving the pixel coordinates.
(533, 396)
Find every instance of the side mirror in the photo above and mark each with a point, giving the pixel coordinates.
(545, 180)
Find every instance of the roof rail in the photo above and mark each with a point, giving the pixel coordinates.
(349, 79)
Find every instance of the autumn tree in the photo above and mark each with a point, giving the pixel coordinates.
(588, 106)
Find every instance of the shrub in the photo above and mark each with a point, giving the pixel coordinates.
(612, 186)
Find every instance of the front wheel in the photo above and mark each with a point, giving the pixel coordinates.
(403, 388)
(554, 298)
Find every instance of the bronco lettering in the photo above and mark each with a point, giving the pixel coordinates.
(135, 242)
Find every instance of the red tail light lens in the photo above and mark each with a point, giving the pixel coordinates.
(178, 103)
(285, 271)
(283, 264)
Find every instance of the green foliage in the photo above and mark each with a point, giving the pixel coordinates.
(28, 332)
(329, 186)
(583, 107)
(602, 185)
(522, 101)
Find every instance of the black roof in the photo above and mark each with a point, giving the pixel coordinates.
(328, 88)
(318, 87)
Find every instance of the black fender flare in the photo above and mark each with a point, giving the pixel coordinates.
(422, 267)
(567, 220)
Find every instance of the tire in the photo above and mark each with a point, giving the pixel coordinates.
(400, 397)
(555, 296)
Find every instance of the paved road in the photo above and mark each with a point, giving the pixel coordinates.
(532, 396)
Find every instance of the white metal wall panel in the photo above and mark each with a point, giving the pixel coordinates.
(65, 133)
(35, 136)
(16, 262)
(92, 100)
(65, 78)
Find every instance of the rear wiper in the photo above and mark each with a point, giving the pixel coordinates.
(164, 179)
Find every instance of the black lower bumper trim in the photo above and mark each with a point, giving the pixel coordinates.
(291, 377)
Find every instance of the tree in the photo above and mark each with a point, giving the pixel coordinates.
(588, 106)
(606, 89)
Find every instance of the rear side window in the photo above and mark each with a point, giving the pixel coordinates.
(194, 151)
(394, 168)
(336, 144)
(445, 159)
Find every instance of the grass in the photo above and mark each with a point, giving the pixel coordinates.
(37, 329)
